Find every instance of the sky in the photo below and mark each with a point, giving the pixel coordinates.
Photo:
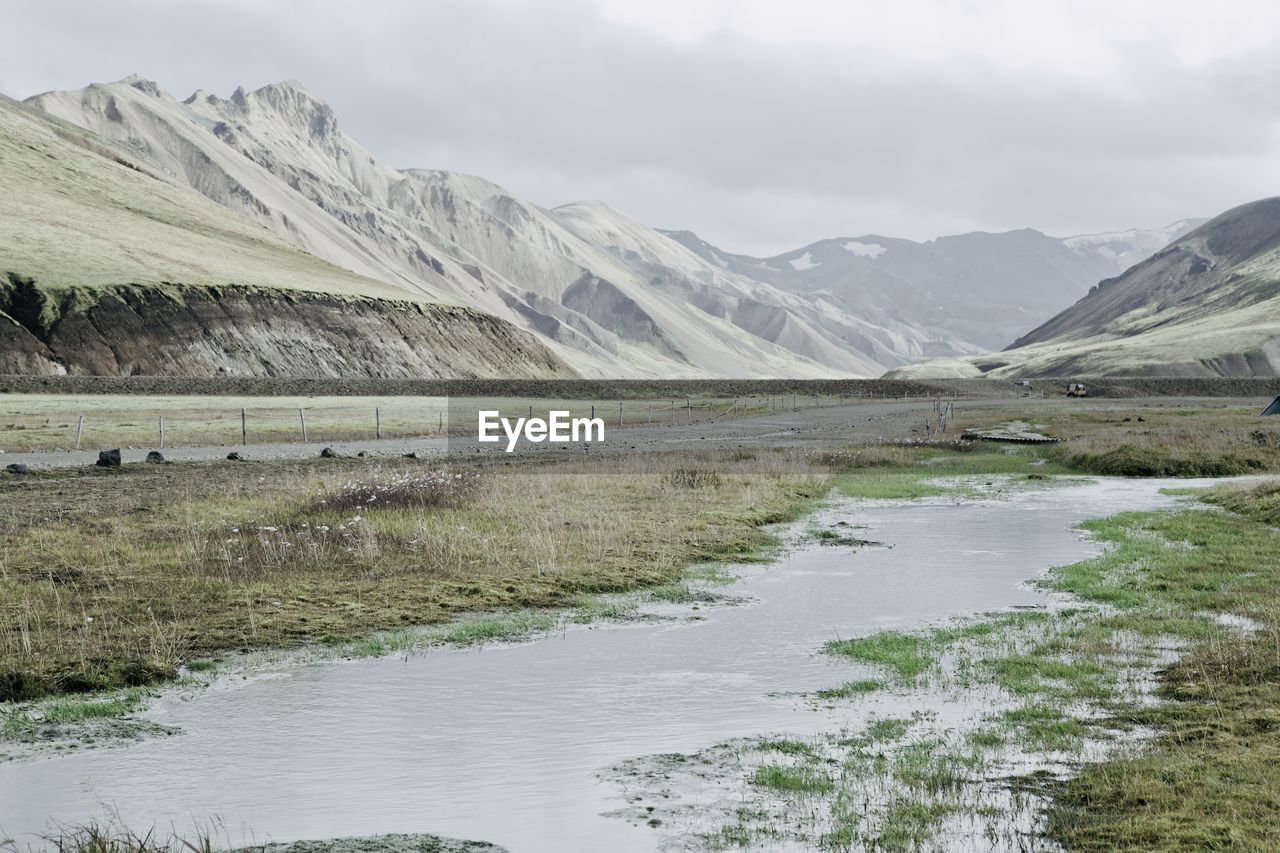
(760, 125)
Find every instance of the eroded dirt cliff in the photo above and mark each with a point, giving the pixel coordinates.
(253, 332)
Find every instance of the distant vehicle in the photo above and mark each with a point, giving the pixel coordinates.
(1076, 389)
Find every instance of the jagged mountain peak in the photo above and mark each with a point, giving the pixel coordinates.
(142, 84)
(288, 99)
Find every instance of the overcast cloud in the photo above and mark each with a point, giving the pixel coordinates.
(760, 125)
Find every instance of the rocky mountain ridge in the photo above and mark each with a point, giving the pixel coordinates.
(276, 154)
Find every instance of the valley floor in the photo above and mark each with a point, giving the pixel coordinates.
(118, 581)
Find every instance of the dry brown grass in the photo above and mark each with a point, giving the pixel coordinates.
(114, 578)
(1150, 439)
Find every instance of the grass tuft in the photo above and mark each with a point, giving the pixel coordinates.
(907, 656)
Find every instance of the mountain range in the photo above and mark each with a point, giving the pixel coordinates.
(1206, 305)
(606, 295)
(972, 292)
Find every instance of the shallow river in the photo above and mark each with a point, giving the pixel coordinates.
(505, 743)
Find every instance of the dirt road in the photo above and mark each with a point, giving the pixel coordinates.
(815, 427)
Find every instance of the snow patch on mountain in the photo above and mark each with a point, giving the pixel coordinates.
(1133, 245)
(864, 250)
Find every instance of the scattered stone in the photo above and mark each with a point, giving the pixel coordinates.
(17, 468)
(235, 457)
(109, 458)
(155, 457)
(328, 453)
(412, 454)
(363, 453)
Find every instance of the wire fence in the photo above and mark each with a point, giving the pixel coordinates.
(42, 423)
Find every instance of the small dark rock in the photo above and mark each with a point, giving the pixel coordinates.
(412, 454)
(235, 457)
(363, 453)
(155, 457)
(17, 468)
(109, 458)
(328, 453)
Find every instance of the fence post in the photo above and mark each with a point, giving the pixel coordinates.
(650, 411)
(377, 422)
(303, 418)
(162, 432)
(619, 413)
(593, 411)
(673, 412)
(79, 431)
(688, 404)
(244, 428)
(440, 428)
